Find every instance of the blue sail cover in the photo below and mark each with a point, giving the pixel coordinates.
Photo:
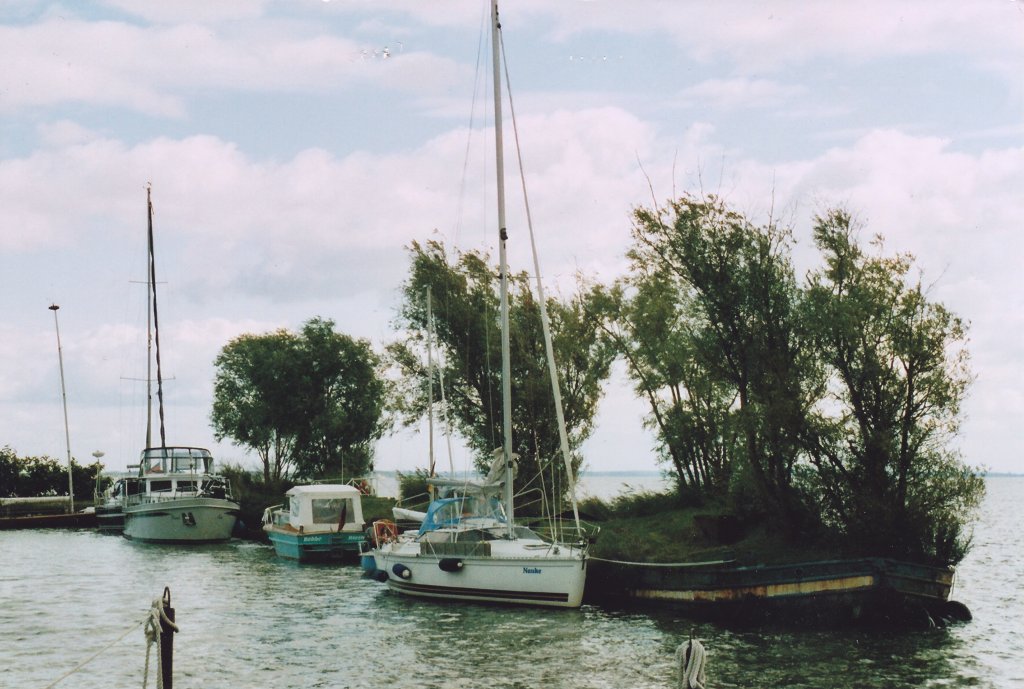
(447, 512)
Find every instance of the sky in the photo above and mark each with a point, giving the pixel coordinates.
(296, 148)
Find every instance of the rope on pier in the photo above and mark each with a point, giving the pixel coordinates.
(153, 622)
(691, 659)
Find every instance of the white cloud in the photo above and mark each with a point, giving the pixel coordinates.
(740, 93)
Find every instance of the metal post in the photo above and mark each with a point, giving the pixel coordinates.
(64, 394)
(167, 642)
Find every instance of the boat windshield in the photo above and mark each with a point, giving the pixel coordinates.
(333, 511)
(176, 459)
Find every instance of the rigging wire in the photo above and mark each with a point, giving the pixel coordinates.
(545, 321)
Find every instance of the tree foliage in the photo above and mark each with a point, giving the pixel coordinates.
(898, 369)
(309, 404)
(836, 401)
(466, 316)
(29, 477)
(734, 285)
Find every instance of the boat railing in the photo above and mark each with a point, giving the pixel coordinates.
(162, 496)
(566, 533)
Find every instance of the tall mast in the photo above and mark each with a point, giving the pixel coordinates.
(156, 327)
(506, 366)
(149, 324)
(430, 381)
(64, 396)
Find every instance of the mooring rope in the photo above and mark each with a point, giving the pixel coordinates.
(153, 622)
(691, 659)
(96, 655)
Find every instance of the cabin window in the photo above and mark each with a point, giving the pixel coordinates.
(186, 464)
(293, 507)
(184, 486)
(329, 510)
(159, 486)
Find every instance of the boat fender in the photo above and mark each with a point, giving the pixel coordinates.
(402, 572)
(450, 564)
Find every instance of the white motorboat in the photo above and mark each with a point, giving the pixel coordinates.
(109, 507)
(176, 498)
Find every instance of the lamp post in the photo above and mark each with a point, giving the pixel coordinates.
(96, 481)
(64, 395)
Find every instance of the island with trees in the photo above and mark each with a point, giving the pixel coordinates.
(798, 417)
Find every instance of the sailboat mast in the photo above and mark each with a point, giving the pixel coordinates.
(506, 366)
(156, 323)
(149, 323)
(430, 381)
(64, 397)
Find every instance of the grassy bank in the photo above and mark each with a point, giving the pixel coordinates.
(636, 527)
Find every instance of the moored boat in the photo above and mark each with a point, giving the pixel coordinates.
(317, 522)
(109, 507)
(176, 498)
(466, 549)
(469, 546)
(829, 591)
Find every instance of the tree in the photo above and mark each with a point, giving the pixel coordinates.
(898, 369)
(309, 404)
(844, 392)
(28, 477)
(10, 466)
(342, 403)
(743, 331)
(652, 329)
(466, 313)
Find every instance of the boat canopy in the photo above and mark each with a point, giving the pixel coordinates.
(323, 505)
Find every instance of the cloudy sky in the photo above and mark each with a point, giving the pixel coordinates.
(296, 147)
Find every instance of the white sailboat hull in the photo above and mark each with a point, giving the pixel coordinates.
(511, 574)
(181, 520)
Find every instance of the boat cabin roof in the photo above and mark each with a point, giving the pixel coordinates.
(323, 490)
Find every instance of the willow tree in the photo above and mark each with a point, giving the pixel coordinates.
(737, 321)
(898, 367)
(466, 317)
(649, 321)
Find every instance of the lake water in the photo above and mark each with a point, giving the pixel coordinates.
(251, 620)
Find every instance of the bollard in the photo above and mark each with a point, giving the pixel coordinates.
(167, 641)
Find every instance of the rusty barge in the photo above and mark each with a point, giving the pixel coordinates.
(867, 590)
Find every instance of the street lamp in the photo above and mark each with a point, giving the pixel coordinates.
(64, 395)
(96, 480)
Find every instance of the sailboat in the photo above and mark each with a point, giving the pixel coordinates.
(468, 546)
(175, 497)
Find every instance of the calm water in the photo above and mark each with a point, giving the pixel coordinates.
(249, 619)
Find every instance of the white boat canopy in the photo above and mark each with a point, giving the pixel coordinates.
(322, 505)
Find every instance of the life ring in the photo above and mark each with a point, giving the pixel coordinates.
(384, 531)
